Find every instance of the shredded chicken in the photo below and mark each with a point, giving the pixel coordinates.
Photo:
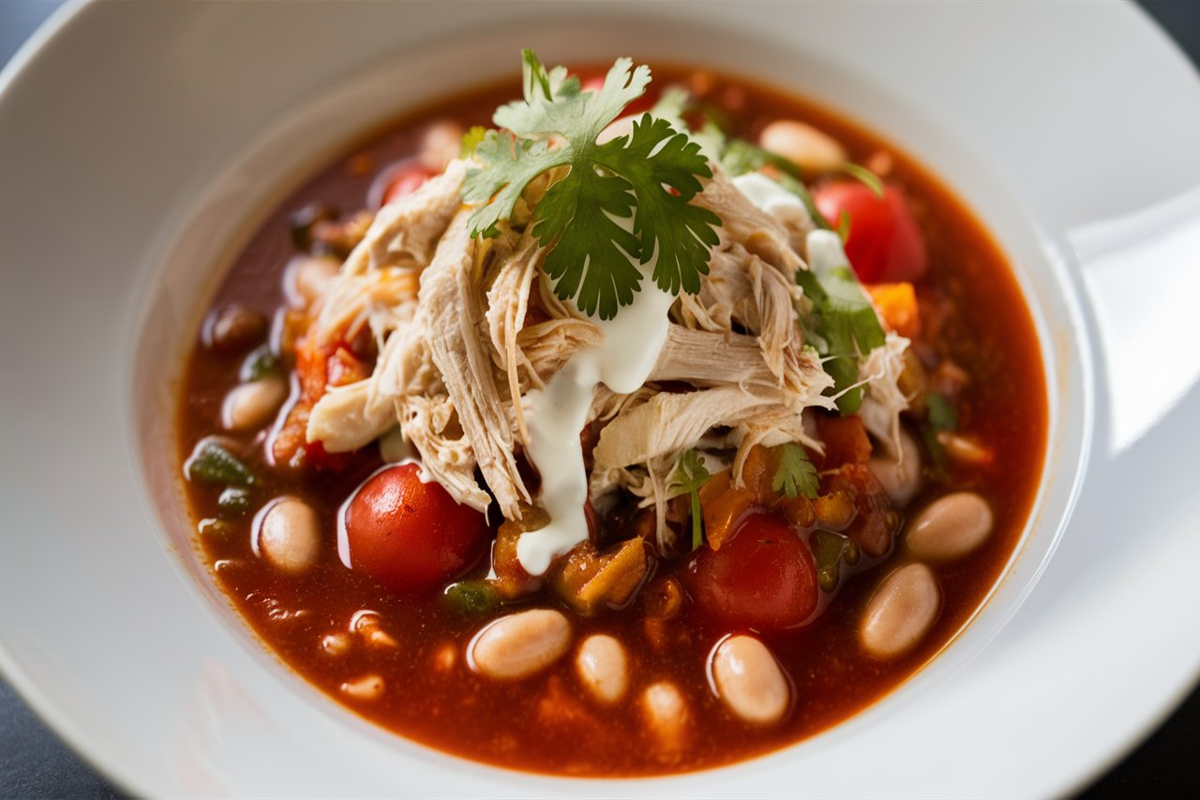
(468, 328)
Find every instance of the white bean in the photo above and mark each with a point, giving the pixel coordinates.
(368, 687)
(440, 145)
(900, 477)
(522, 644)
(251, 405)
(950, 527)
(900, 612)
(335, 644)
(603, 667)
(749, 680)
(666, 713)
(809, 149)
(289, 535)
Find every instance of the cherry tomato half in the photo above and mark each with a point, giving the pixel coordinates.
(405, 181)
(411, 536)
(762, 578)
(885, 245)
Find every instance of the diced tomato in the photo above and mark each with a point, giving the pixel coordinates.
(845, 440)
(411, 536)
(762, 578)
(897, 303)
(873, 525)
(885, 245)
(406, 180)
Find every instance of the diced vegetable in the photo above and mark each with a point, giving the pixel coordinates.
(260, 363)
(590, 581)
(472, 598)
(212, 463)
(830, 550)
(897, 303)
(234, 501)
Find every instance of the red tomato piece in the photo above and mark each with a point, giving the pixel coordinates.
(411, 536)
(762, 578)
(885, 245)
(405, 181)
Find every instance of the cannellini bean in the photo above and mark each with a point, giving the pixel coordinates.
(950, 527)
(522, 644)
(964, 449)
(750, 681)
(603, 667)
(335, 644)
(251, 405)
(289, 535)
(899, 477)
(900, 612)
(309, 277)
(369, 626)
(808, 148)
(368, 687)
(235, 328)
(666, 713)
(440, 145)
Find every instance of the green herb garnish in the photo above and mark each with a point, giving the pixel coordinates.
(259, 363)
(688, 476)
(472, 598)
(620, 203)
(863, 176)
(795, 474)
(846, 328)
(212, 463)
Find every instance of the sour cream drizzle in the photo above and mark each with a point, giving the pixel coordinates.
(622, 362)
(556, 416)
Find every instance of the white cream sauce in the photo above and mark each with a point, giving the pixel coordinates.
(556, 415)
(825, 252)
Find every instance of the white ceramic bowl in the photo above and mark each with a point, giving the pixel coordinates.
(141, 143)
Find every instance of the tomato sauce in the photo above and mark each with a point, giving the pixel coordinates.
(973, 315)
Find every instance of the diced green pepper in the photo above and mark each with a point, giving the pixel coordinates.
(471, 598)
(234, 502)
(830, 550)
(212, 463)
(260, 363)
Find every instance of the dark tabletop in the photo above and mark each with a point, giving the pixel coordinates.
(34, 763)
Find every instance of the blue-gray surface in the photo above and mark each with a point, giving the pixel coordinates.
(34, 763)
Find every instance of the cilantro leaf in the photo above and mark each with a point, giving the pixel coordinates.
(795, 474)
(688, 476)
(621, 203)
(863, 176)
(846, 325)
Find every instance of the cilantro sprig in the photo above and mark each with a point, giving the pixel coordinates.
(688, 476)
(619, 204)
(796, 475)
(842, 328)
